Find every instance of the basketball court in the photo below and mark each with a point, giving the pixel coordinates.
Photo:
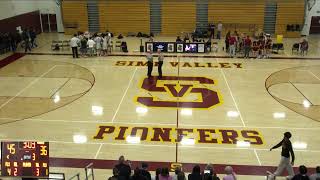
(204, 110)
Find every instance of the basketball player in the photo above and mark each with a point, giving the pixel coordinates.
(149, 57)
(285, 157)
(160, 63)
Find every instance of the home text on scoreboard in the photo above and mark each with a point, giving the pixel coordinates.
(25, 159)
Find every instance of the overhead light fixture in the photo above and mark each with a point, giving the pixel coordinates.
(186, 112)
(97, 110)
(79, 139)
(299, 145)
(279, 115)
(141, 110)
(306, 103)
(133, 139)
(243, 144)
(232, 113)
(56, 98)
(187, 141)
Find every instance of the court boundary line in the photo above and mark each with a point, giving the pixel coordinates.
(234, 101)
(255, 152)
(57, 90)
(163, 145)
(310, 72)
(29, 85)
(124, 94)
(301, 93)
(118, 108)
(164, 124)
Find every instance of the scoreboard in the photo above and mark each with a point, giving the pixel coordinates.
(25, 159)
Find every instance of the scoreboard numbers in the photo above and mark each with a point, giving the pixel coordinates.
(25, 159)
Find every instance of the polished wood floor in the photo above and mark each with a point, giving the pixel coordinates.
(209, 110)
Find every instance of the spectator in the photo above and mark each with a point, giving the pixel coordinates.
(26, 40)
(115, 173)
(304, 46)
(178, 174)
(158, 172)
(98, 42)
(228, 35)
(209, 173)
(83, 46)
(316, 176)
(268, 46)
(196, 173)
(232, 45)
(247, 47)
(145, 172)
(219, 30)
(164, 175)
(124, 169)
(302, 174)
(74, 43)
(178, 39)
(211, 29)
(91, 44)
(230, 175)
(33, 36)
(137, 175)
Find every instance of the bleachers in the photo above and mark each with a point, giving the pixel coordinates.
(289, 12)
(243, 16)
(75, 16)
(178, 17)
(124, 16)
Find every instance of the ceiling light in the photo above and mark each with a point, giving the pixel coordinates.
(279, 115)
(243, 144)
(306, 103)
(133, 139)
(232, 113)
(79, 139)
(187, 141)
(56, 98)
(186, 112)
(299, 145)
(97, 110)
(141, 110)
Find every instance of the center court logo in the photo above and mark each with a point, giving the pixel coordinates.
(184, 92)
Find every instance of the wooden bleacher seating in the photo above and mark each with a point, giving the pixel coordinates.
(122, 17)
(178, 17)
(75, 16)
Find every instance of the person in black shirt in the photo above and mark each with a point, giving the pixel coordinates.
(115, 174)
(209, 173)
(285, 157)
(137, 175)
(145, 172)
(302, 174)
(196, 174)
(124, 169)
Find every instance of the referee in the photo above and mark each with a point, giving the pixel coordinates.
(149, 57)
(285, 157)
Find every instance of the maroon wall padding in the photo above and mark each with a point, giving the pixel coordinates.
(27, 20)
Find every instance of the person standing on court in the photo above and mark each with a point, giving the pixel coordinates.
(74, 43)
(219, 30)
(149, 57)
(285, 157)
(160, 63)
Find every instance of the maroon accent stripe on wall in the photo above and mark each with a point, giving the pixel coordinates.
(187, 167)
(10, 59)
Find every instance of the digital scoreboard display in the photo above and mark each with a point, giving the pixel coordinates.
(25, 159)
